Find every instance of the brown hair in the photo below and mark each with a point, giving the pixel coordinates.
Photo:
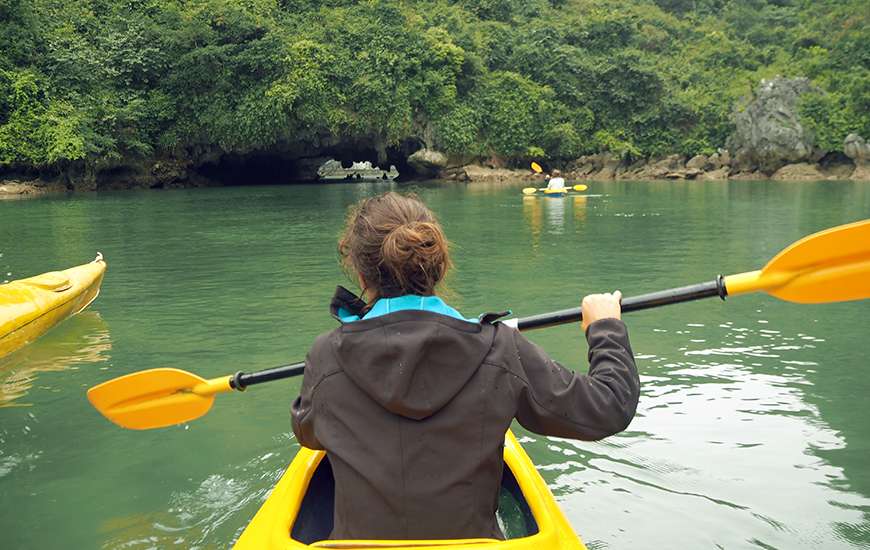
(396, 244)
(556, 173)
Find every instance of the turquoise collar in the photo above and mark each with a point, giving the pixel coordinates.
(409, 301)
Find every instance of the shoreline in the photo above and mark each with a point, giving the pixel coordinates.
(11, 190)
(800, 172)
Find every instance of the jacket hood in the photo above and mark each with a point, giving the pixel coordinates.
(412, 362)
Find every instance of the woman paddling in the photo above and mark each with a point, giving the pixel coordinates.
(556, 182)
(411, 400)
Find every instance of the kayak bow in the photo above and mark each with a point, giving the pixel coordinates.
(298, 513)
(30, 307)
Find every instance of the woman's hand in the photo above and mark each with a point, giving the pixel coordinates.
(601, 306)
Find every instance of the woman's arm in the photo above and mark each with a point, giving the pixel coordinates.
(556, 401)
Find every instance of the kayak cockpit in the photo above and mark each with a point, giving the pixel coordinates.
(299, 512)
(314, 520)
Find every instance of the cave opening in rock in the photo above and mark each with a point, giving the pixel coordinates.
(251, 169)
(279, 168)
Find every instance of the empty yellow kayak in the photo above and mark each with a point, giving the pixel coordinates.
(298, 513)
(30, 307)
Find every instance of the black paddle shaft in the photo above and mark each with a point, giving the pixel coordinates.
(678, 295)
(716, 287)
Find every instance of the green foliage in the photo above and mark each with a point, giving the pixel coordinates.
(34, 130)
(459, 129)
(829, 118)
(616, 143)
(513, 112)
(564, 141)
(101, 82)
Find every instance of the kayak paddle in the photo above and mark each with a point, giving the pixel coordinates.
(830, 266)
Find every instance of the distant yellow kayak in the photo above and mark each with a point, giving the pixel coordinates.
(30, 307)
(298, 513)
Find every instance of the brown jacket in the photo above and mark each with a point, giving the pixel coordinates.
(412, 408)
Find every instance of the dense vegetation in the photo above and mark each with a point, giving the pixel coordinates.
(95, 83)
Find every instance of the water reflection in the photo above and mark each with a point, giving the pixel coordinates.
(193, 516)
(723, 430)
(579, 208)
(555, 208)
(532, 213)
(548, 214)
(82, 339)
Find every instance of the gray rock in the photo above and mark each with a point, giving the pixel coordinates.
(684, 174)
(698, 162)
(661, 167)
(801, 171)
(17, 188)
(428, 162)
(768, 133)
(478, 173)
(748, 176)
(631, 170)
(861, 173)
(717, 174)
(586, 165)
(719, 159)
(714, 162)
(856, 149)
(609, 165)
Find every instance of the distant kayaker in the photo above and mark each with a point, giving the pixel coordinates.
(557, 182)
(411, 400)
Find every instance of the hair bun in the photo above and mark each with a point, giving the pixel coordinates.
(415, 255)
(395, 245)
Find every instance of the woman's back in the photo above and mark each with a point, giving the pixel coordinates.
(412, 408)
(411, 425)
(412, 405)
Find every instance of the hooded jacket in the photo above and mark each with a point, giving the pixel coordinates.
(412, 406)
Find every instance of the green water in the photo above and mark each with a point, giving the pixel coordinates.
(752, 430)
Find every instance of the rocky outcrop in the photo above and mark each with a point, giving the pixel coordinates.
(428, 162)
(749, 175)
(30, 188)
(588, 165)
(768, 133)
(476, 172)
(801, 171)
(861, 173)
(721, 159)
(668, 167)
(858, 151)
(718, 174)
(698, 162)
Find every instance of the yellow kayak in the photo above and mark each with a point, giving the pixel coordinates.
(30, 307)
(298, 513)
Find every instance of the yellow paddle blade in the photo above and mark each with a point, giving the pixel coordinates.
(829, 266)
(529, 191)
(156, 398)
(581, 187)
(537, 168)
